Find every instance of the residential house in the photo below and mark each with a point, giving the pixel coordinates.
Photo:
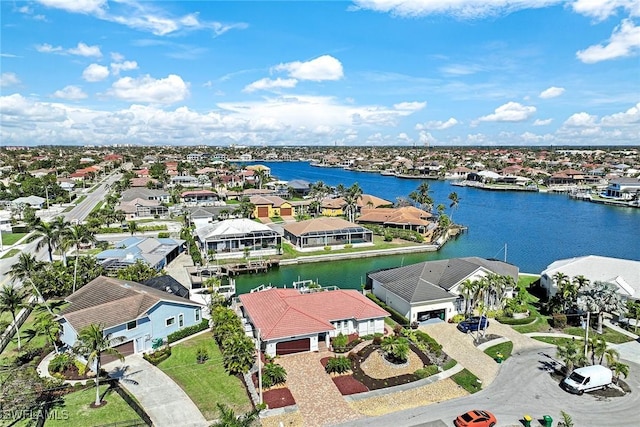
(133, 313)
(406, 218)
(185, 181)
(270, 206)
(199, 198)
(431, 289)
(321, 232)
(142, 208)
(35, 202)
(155, 252)
(623, 188)
(146, 194)
(300, 187)
(231, 237)
(289, 321)
(167, 284)
(623, 273)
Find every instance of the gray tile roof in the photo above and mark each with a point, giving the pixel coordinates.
(432, 280)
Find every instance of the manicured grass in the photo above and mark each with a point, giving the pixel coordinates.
(555, 340)
(467, 381)
(608, 334)
(389, 321)
(450, 364)
(11, 238)
(206, 384)
(504, 348)
(378, 243)
(541, 323)
(76, 411)
(79, 200)
(12, 252)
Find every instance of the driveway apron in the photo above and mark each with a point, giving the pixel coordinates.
(165, 402)
(317, 397)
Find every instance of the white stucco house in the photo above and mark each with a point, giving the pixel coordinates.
(429, 290)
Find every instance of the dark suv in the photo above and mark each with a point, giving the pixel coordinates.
(473, 324)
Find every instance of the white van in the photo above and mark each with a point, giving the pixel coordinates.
(589, 378)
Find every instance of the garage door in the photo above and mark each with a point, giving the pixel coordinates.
(285, 211)
(263, 211)
(295, 346)
(125, 349)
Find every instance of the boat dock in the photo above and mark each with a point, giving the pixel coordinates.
(258, 266)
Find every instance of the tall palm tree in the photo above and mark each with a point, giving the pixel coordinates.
(351, 196)
(466, 290)
(455, 201)
(49, 232)
(92, 344)
(12, 300)
(46, 325)
(571, 355)
(75, 235)
(24, 269)
(605, 298)
(422, 196)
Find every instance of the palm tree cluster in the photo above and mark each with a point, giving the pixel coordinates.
(601, 298)
(238, 350)
(596, 351)
(486, 293)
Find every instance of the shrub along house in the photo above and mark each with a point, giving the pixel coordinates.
(134, 313)
(430, 289)
(290, 321)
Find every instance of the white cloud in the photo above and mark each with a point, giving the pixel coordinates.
(624, 41)
(325, 67)
(629, 117)
(268, 84)
(8, 79)
(581, 120)
(602, 9)
(84, 50)
(116, 67)
(70, 92)
(510, 112)
(147, 89)
(47, 48)
(540, 122)
(426, 138)
(76, 6)
(95, 73)
(410, 106)
(466, 9)
(438, 124)
(552, 92)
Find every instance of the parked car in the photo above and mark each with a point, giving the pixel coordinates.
(473, 324)
(476, 418)
(588, 378)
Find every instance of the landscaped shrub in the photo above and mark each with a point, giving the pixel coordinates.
(82, 368)
(273, 374)
(511, 321)
(457, 318)
(202, 355)
(427, 371)
(61, 362)
(164, 235)
(377, 340)
(434, 346)
(396, 349)
(158, 356)
(189, 330)
(338, 365)
(559, 320)
(339, 343)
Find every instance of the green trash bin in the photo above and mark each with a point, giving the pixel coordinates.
(548, 421)
(527, 420)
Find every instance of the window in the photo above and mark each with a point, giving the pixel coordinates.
(198, 315)
(170, 321)
(132, 325)
(180, 320)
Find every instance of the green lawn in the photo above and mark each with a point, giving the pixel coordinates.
(467, 381)
(11, 253)
(76, 411)
(505, 348)
(608, 334)
(206, 384)
(555, 340)
(11, 238)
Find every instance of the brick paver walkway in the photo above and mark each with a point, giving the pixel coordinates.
(317, 397)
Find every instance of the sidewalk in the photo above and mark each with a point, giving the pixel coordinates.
(165, 402)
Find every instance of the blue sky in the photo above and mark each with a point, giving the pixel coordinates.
(363, 72)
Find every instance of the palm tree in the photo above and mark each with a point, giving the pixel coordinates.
(467, 290)
(50, 236)
(133, 227)
(228, 417)
(422, 197)
(571, 355)
(618, 369)
(76, 235)
(455, 201)
(598, 348)
(24, 270)
(46, 325)
(12, 300)
(604, 298)
(92, 344)
(351, 196)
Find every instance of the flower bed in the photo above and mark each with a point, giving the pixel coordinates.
(278, 398)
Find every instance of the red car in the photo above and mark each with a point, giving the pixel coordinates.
(476, 418)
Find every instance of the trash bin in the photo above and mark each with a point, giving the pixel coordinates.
(527, 420)
(499, 357)
(548, 421)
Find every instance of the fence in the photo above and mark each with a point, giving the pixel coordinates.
(20, 318)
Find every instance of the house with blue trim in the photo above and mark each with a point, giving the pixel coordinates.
(130, 312)
(155, 252)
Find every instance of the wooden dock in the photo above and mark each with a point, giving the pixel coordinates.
(258, 266)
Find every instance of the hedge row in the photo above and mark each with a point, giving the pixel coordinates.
(394, 314)
(158, 356)
(189, 330)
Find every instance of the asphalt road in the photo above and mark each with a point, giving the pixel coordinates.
(83, 209)
(523, 386)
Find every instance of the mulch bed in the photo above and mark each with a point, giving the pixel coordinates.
(278, 398)
(347, 385)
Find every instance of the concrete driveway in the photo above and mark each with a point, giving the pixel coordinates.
(523, 387)
(165, 402)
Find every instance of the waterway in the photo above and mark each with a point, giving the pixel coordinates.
(528, 229)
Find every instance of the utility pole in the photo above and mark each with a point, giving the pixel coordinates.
(46, 192)
(259, 370)
(586, 335)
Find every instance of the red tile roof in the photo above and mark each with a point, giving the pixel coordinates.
(280, 313)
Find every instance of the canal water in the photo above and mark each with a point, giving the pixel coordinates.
(531, 230)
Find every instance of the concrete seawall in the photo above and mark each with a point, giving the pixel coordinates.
(362, 254)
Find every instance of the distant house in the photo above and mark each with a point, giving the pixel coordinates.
(405, 218)
(157, 253)
(270, 206)
(300, 187)
(185, 181)
(167, 284)
(35, 202)
(142, 208)
(135, 313)
(332, 206)
(430, 289)
(231, 237)
(289, 321)
(623, 188)
(199, 197)
(146, 194)
(623, 273)
(321, 232)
